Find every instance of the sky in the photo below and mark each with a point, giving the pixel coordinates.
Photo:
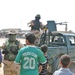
(17, 13)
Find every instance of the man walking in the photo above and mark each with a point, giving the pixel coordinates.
(29, 57)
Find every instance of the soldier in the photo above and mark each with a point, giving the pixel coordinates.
(36, 25)
(10, 50)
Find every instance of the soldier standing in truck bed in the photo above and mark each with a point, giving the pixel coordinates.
(36, 25)
(10, 50)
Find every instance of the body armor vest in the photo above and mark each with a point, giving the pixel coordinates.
(36, 25)
(11, 49)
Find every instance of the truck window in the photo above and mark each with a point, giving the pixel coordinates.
(72, 40)
(57, 40)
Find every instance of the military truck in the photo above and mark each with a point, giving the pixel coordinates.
(59, 43)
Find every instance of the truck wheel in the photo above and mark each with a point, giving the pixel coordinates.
(72, 66)
(56, 64)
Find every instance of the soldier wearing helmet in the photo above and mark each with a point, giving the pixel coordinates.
(36, 24)
(10, 50)
(38, 16)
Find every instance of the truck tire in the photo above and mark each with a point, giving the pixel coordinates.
(56, 64)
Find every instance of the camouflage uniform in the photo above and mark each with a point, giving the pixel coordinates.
(10, 50)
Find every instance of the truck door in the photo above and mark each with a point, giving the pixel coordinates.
(71, 47)
(59, 42)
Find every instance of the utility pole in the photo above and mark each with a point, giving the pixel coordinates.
(63, 23)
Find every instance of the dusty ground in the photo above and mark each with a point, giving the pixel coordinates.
(1, 70)
(72, 67)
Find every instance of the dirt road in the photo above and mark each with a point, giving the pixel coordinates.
(1, 70)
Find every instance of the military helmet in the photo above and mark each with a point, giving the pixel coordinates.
(38, 16)
(12, 32)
